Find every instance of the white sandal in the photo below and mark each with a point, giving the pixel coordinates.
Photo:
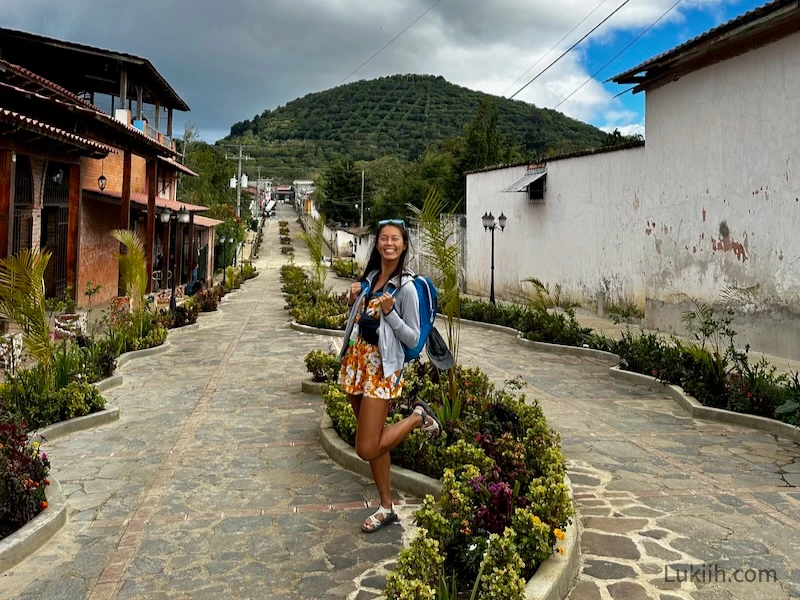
(430, 423)
(388, 514)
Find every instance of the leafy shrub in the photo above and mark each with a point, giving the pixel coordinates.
(23, 475)
(287, 250)
(323, 366)
(249, 270)
(27, 394)
(625, 312)
(346, 268)
(285, 239)
(207, 300)
(155, 337)
(78, 399)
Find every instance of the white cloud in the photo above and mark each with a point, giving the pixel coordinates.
(232, 60)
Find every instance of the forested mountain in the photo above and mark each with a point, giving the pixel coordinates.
(398, 116)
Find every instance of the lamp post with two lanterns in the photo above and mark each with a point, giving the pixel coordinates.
(490, 224)
(181, 218)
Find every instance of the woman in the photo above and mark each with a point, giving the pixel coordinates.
(385, 313)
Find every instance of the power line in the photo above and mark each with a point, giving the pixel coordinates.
(636, 39)
(543, 71)
(566, 35)
(389, 43)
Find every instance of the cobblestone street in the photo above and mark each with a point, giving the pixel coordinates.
(213, 485)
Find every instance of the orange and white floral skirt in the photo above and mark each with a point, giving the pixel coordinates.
(362, 373)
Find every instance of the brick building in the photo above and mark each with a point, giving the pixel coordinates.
(99, 166)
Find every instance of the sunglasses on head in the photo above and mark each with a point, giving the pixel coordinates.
(398, 222)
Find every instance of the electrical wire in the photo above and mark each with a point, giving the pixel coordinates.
(358, 68)
(636, 39)
(568, 50)
(566, 35)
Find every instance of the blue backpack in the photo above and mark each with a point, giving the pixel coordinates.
(428, 297)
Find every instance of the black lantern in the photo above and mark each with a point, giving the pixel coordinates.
(490, 224)
(101, 182)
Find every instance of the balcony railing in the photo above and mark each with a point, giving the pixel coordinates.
(153, 133)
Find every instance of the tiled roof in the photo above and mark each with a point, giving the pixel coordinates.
(206, 221)
(178, 166)
(122, 57)
(9, 116)
(719, 31)
(46, 83)
(141, 199)
(101, 116)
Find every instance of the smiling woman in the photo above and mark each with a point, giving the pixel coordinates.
(384, 315)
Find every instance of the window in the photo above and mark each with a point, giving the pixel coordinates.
(536, 190)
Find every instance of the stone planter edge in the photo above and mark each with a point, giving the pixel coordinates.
(317, 388)
(62, 428)
(697, 411)
(553, 578)
(316, 330)
(33, 535)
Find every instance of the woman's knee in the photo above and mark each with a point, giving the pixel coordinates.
(366, 450)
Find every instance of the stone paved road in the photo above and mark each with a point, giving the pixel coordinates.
(212, 484)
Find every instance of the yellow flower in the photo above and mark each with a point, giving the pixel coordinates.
(560, 550)
(536, 519)
(559, 534)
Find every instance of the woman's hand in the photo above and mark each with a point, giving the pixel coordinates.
(355, 290)
(387, 303)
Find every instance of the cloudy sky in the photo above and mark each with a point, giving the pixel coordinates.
(231, 60)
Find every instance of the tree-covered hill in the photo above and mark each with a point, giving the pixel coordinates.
(398, 116)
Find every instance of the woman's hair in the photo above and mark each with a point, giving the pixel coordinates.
(374, 262)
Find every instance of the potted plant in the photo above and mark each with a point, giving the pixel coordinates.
(68, 322)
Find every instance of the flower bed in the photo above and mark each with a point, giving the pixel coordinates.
(504, 504)
(23, 475)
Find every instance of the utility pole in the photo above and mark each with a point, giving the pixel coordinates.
(240, 158)
(362, 198)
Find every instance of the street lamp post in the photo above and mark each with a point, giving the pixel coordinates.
(489, 224)
(353, 248)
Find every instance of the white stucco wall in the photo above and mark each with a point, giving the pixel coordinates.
(723, 145)
(711, 202)
(582, 237)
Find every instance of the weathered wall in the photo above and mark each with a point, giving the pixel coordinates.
(582, 237)
(723, 153)
(111, 168)
(96, 262)
(712, 202)
(723, 171)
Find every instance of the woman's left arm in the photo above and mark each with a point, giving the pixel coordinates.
(404, 317)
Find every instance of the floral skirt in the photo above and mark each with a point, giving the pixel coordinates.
(362, 373)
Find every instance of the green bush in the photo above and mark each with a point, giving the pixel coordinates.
(323, 366)
(77, 400)
(346, 268)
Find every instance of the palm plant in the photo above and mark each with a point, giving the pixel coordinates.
(438, 246)
(315, 240)
(22, 300)
(132, 266)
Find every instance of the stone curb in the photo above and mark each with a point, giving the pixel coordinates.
(316, 330)
(128, 356)
(608, 357)
(553, 578)
(57, 430)
(108, 382)
(33, 535)
(345, 456)
(317, 388)
(697, 411)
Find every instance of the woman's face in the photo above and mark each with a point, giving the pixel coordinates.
(390, 242)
